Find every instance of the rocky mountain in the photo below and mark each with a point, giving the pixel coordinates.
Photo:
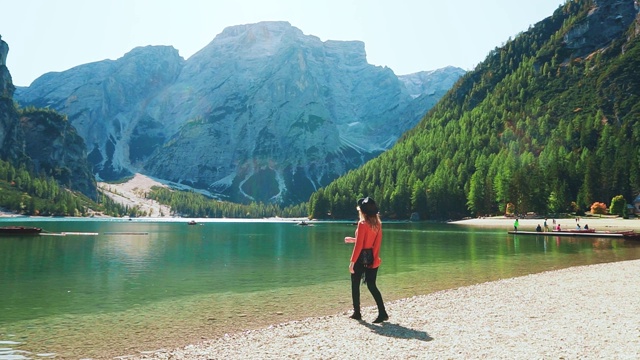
(106, 102)
(262, 113)
(7, 112)
(434, 83)
(6, 84)
(41, 140)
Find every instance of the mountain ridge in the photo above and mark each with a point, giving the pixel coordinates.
(261, 113)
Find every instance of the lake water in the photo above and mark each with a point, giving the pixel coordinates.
(144, 285)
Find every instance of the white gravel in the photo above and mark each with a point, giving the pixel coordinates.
(589, 312)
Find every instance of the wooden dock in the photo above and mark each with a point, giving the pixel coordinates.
(66, 233)
(614, 234)
(127, 233)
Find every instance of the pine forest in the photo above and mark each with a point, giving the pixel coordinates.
(536, 127)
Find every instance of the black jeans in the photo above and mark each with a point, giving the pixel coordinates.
(370, 276)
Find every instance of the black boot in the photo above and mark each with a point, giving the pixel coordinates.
(383, 316)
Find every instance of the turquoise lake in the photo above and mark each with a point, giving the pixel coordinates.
(138, 285)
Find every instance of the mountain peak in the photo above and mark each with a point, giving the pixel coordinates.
(152, 50)
(259, 39)
(4, 50)
(6, 84)
(263, 28)
(432, 82)
(265, 39)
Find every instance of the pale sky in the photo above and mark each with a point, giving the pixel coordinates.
(405, 35)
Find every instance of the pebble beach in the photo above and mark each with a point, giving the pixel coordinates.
(586, 312)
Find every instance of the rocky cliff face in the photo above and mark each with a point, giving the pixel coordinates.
(434, 83)
(6, 83)
(262, 113)
(6, 94)
(637, 24)
(42, 140)
(608, 19)
(106, 101)
(426, 88)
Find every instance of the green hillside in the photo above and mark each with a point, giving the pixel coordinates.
(539, 124)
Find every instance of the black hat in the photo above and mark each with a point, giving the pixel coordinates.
(368, 206)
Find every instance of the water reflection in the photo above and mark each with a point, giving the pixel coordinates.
(112, 291)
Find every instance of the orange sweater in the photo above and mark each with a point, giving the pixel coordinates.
(365, 238)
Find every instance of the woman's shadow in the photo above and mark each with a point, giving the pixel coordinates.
(397, 331)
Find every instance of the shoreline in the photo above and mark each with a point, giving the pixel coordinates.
(605, 222)
(579, 312)
(597, 223)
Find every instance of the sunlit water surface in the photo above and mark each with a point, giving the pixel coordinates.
(144, 285)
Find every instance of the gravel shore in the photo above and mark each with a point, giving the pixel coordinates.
(588, 312)
(602, 223)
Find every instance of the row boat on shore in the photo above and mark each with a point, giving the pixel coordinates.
(19, 230)
(626, 234)
(26, 230)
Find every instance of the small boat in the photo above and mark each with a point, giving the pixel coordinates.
(192, 222)
(577, 230)
(303, 223)
(630, 235)
(625, 234)
(19, 230)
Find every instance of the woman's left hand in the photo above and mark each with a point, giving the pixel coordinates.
(351, 268)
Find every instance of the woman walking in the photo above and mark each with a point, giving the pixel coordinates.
(367, 240)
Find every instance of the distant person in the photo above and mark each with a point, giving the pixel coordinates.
(515, 225)
(546, 226)
(578, 227)
(539, 228)
(368, 236)
(586, 226)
